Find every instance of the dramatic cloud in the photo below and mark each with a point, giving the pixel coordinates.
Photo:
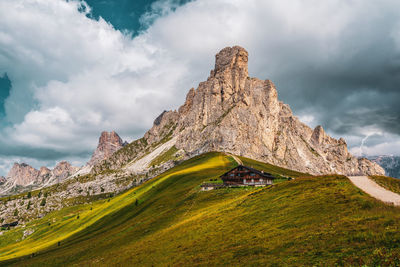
(336, 62)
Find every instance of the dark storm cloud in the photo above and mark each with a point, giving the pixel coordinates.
(37, 153)
(5, 87)
(357, 85)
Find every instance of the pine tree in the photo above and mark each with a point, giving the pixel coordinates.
(43, 202)
(29, 194)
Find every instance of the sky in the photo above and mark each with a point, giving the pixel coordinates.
(72, 69)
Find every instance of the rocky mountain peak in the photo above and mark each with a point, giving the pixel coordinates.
(63, 170)
(109, 142)
(231, 61)
(44, 171)
(232, 112)
(23, 174)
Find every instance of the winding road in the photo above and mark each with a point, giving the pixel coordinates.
(373, 189)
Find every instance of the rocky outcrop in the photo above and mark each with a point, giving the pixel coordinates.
(44, 172)
(232, 112)
(109, 142)
(25, 175)
(62, 171)
(2, 180)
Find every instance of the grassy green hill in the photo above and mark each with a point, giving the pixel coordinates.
(307, 221)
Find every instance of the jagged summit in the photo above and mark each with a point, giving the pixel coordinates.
(232, 112)
(231, 62)
(22, 174)
(109, 142)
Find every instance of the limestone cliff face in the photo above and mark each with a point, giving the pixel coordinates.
(234, 113)
(109, 142)
(23, 174)
(63, 170)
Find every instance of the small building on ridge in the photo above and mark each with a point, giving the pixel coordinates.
(246, 176)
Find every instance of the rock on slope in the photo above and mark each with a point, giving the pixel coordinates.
(234, 113)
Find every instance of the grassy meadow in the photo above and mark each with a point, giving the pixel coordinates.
(168, 221)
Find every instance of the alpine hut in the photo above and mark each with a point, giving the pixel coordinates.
(246, 176)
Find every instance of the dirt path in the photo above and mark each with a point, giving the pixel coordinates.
(238, 161)
(375, 190)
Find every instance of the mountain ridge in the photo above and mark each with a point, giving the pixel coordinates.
(235, 113)
(390, 163)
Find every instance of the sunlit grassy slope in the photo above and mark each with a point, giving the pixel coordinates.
(308, 221)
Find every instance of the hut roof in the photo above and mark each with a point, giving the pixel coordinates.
(261, 173)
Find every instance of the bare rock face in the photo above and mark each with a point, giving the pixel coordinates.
(23, 174)
(2, 179)
(63, 170)
(234, 113)
(109, 142)
(44, 171)
(231, 112)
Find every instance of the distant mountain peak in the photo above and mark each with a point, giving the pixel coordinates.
(109, 142)
(22, 174)
(390, 163)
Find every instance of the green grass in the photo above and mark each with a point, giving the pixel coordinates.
(389, 183)
(320, 221)
(274, 170)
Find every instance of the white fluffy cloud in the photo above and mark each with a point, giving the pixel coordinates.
(82, 75)
(73, 76)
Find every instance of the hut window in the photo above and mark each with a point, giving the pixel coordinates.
(252, 180)
(231, 175)
(252, 174)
